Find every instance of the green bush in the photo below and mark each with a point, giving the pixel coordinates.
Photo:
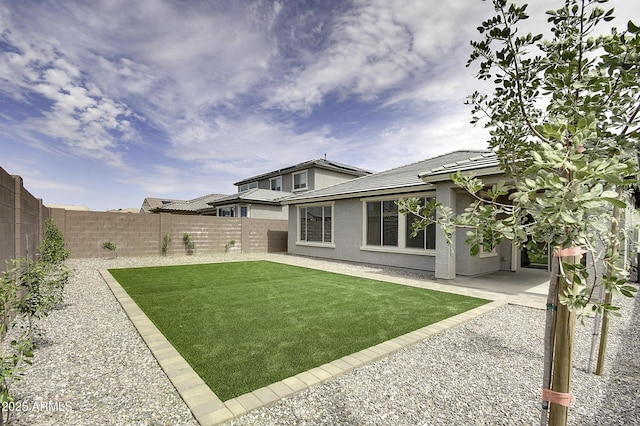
(166, 239)
(52, 249)
(189, 244)
(29, 290)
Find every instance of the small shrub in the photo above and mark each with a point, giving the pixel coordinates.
(16, 350)
(189, 244)
(29, 290)
(108, 245)
(52, 249)
(229, 245)
(165, 243)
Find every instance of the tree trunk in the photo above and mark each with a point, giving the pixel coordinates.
(608, 298)
(604, 332)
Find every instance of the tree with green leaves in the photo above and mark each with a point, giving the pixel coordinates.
(564, 120)
(52, 249)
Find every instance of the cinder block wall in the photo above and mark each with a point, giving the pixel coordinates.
(142, 234)
(85, 232)
(22, 219)
(264, 235)
(7, 217)
(209, 233)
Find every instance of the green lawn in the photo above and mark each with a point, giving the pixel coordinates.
(245, 325)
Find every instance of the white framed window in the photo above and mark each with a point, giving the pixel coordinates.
(382, 223)
(385, 229)
(245, 211)
(426, 238)
(226, 211)
(300, 180)
(315, 224)
(247, 186)
(276, 183)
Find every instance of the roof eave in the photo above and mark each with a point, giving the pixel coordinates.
(399, 190)
(302, 166)
(429, 177)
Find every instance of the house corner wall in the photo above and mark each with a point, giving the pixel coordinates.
(445, 267)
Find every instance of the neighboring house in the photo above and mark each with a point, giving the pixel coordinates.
(359, 221)
(195, 206)
(68, 207)
(307, 176)
(256, 203)
(261, 196)
(151, 203)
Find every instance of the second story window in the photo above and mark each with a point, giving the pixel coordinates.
(276, 183)
(300, 180)
(247, 186)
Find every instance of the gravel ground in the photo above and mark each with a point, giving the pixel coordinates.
(93, 368)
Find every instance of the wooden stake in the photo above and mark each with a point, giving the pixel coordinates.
(563, 355)
(549, 336)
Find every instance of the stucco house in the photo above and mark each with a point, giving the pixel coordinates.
(257, 203)
(151, 203)
(359, 221)
(261, 196)
(195, 206)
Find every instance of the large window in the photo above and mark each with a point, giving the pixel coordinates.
(226, 211)
(316, 224)
(300, 180)
(382, 223)
(247, 186)
(386, 229)
(426, 238)
(276, 183)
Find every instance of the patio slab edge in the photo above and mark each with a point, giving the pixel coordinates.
(209, 410)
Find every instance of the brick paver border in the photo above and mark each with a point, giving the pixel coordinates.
(208, 409)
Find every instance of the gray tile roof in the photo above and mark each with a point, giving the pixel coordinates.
(151, 203)
(486, 161)
(192, 206)
(256, 195)
(321, 163)
(398, 180)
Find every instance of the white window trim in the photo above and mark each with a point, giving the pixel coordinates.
(250, 185)
(275, 178)
(293, 180)
(483, 254)
(230, 207)
(331, 244)
(401, 248)
(398, 250)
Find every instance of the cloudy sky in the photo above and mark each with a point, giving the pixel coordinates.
(104, 103)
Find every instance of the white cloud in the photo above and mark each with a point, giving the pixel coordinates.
(247, 145)
(88, 124)
(381, 46)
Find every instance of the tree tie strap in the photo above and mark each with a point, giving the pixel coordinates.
(559, 398)
(569, 252)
